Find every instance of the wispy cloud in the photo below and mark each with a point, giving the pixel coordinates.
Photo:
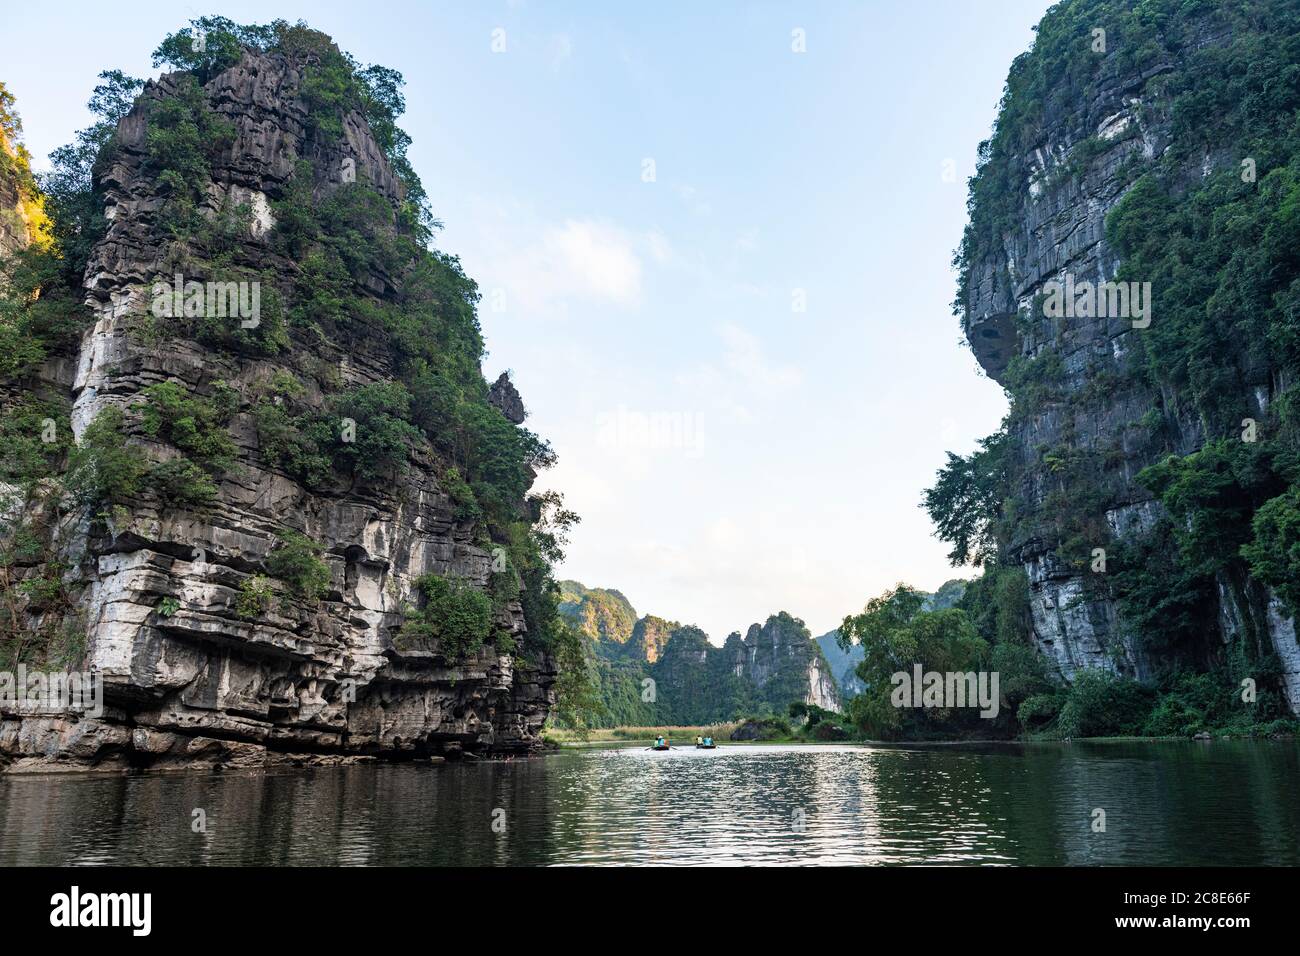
(693, 198)
(741, 375)
(592, 259)
(744, 357)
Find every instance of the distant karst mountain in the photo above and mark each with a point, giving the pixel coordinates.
(694, 681)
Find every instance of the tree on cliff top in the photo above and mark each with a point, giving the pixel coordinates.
(965, 502)
(335, 84)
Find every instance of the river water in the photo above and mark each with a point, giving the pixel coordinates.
(1192, 803)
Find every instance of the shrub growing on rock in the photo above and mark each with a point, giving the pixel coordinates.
(296, 561)
(455, 618)
(103, 468)
(254, 599)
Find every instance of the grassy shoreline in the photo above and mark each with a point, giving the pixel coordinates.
(721, 733)
(677, 736)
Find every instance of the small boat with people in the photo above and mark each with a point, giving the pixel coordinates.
(701, 743)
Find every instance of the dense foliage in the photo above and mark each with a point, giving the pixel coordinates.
(1211, 223)
(896, 633)
(455, 618)
(296, 560)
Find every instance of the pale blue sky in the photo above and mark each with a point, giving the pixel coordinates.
(799, 441)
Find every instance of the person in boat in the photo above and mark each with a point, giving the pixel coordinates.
(699, 741)
(708, 741)
(659, 741)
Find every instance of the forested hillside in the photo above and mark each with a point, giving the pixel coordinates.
(650, 671)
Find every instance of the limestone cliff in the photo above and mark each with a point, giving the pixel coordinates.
(781, 654)
(1116, 115)
(161, 586)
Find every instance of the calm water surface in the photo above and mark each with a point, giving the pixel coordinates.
(1224, 802)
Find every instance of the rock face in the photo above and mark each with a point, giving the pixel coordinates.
(843, 664)
(1088, 153)
(1062, 230)
(603, 614)
(781, 654)
(505, 396)
(13, 232)
(651, 636)
(307, 681)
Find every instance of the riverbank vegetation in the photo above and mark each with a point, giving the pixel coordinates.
(677, 735)
(803, 723)
(988, 632)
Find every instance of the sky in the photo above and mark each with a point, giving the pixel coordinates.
(714, 243)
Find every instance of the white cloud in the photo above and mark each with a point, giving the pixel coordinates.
(744, 357)
(542, 267)
(594, 260)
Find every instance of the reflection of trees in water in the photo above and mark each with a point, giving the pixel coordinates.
(445, 815)
(414, 814)
(941, 805)
(1228, 802)
(1193, 804)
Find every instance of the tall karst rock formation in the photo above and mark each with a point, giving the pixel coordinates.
(319, 557)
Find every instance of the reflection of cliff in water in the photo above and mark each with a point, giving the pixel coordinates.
(1223, 802)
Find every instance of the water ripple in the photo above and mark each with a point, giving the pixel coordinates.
(1226, 803)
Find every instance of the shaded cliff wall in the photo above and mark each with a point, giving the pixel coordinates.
(1171, 100)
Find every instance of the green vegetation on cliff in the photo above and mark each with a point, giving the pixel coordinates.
(40, 284)
(455, 618)
(1210, 222)
(605, 614)
(347, 265)
(27, 218)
